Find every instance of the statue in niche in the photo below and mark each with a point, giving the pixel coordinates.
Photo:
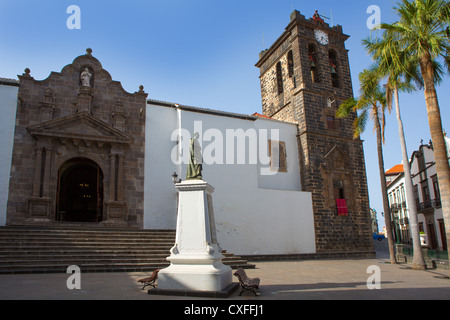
(194, 168)
(86, 78)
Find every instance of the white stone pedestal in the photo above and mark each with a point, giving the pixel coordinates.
(196, 259)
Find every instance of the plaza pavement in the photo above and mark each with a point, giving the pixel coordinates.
(292, 280)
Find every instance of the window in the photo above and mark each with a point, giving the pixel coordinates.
(421, 227)
(437, 193)
(339, 195)
(290, 59)
(416, 195)
(331, 102)
(333, 68)
(313, 63)
(277, 153)
(421, 161)
(342, 207)
(402, 193)
(443, 234)
(331, 123)
(279, 78)
(425, 191)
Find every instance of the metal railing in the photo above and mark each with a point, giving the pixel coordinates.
(435, 203)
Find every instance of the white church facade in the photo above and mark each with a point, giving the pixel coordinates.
(259, 209)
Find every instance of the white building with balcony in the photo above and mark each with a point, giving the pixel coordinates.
(427, 199)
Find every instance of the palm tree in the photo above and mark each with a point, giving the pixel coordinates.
(422, 32)
(372, 103)
(391, 63)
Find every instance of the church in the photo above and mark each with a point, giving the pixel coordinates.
(291, 180)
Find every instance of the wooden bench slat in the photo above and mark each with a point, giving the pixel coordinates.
(150, 281)
(247, 284)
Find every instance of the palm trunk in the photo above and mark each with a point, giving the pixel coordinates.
(418, 262)
(437, 136)
(387, 211)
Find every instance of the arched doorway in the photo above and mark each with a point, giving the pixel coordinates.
(80, 191)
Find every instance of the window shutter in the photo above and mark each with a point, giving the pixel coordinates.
(342, 207)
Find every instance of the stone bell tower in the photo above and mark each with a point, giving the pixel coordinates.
(305, 76)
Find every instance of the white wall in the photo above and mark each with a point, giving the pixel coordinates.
(255, 214)
(291, 179)
(395, 187)
(430, 171)
(8, 105)
(160, 198)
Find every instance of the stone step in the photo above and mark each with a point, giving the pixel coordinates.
(24, 234)
(39, 259)
(83, 260)
(71, 251)
(50, 267)
(98, 260)
(82, 236)
(53, 249)
(84, 242)
(84, 229)
(98, 267)
(33, 257)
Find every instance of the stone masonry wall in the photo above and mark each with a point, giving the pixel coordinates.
(327, 154)
(59, 119)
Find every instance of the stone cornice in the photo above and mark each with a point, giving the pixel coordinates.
(74, 127)
(194, 185)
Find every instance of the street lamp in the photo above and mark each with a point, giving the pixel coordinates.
(175, 178)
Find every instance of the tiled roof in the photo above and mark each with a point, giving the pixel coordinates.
(395, 170)
(256, 114)
(202, 110)
(9, 82)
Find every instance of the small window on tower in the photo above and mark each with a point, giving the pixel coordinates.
(341, 202)
(313, 63)
(290, 59)
(333, 68)
(279, 78)
(331, 123)
(331, 102)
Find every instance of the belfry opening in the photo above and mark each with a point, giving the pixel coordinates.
(80, 191)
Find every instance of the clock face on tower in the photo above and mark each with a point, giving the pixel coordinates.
(321, 37)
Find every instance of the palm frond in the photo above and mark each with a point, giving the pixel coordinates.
(346, 108)
(371, 102)
(359, 125)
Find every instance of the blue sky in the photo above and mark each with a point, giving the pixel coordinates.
(196, 52)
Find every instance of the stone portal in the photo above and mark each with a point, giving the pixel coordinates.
(80, 192)
(79, 149)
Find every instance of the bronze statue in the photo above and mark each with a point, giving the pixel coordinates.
(194, 168)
